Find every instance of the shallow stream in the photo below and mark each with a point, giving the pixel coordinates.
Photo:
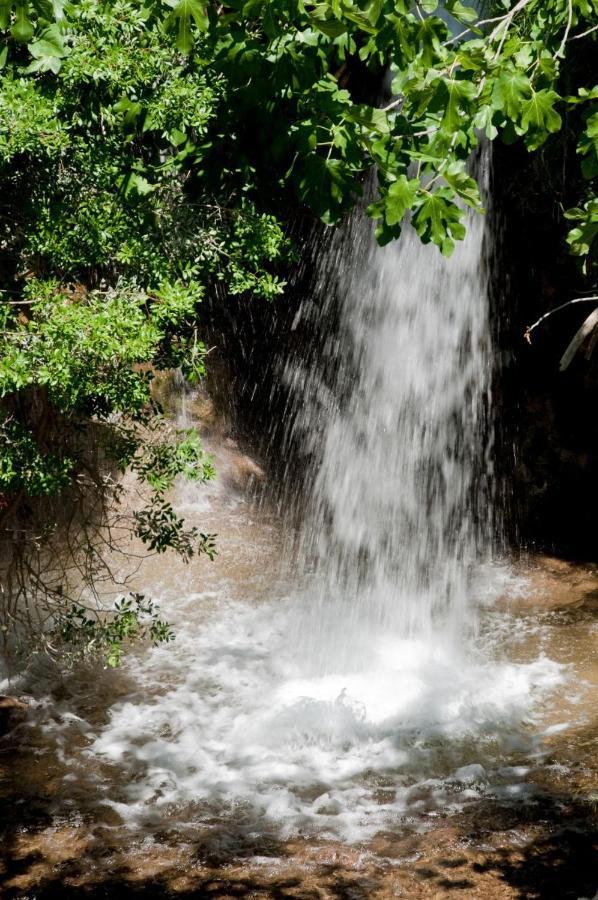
(219, 766)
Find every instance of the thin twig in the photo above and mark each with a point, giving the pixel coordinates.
(561, 49)
(577, 37)
(479, 24)
(557, 309)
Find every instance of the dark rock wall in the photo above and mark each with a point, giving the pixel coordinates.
(547, 420)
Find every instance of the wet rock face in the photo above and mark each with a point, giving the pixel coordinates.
(12, 713)
(240, 471)
(547, 447)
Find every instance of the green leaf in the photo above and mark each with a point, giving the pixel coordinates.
(464, 186)
(465, 14)
(583, 95)
(399, 199)
(47, 51)
(5, 10)
(484, 120)
(130, 110)
(328, 186)
(185, 12)
(22, 29)
(582, 236)
(134, 183)
(588, 147)
(370, 117)
(438, 220)
(330, 27)
(460, 94)
(374, 11)
(539, 118)
(511, 89)
(430, 35)
(360, 19)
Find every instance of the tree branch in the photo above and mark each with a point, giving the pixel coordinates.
(551, 312)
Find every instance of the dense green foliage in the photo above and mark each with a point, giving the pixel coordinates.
(153, 152)
(109, 242)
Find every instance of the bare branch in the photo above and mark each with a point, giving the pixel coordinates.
(551, 312)
(577, 37)
(561, 50)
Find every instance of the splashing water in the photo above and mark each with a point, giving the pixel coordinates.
(360, 691)
(356, 697)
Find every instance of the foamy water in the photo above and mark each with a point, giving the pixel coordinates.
(366, 690)
(242, 734)
(233, 732)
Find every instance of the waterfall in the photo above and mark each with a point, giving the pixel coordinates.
(399, 506)
(348, 694)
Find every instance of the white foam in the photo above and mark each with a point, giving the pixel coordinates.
(241, 729)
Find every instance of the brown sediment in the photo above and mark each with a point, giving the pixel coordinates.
(496, 853)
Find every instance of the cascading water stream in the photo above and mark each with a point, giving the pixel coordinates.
(400, 503)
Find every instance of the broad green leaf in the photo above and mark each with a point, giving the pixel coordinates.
(584, 94)
(48, 51)
(373, 11)
(588, 147)
(438, 220)
(399, 198)
(460, 94)
(464, 186)
(130, 110)
(185, 12)
(49, 43)
(133, 183)
(430, 35)
(582, 236)
(484, 120)
(461, 12)
(539, 118)
(5, 10)
(370, 117)
(22, 29)
(58, 9)
(328, 186)
(332, 28)
(359, 18)
(510, 91)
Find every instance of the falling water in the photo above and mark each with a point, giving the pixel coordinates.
(292, 703)
(400, 504)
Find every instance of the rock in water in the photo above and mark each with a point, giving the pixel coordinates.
(12, 713)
